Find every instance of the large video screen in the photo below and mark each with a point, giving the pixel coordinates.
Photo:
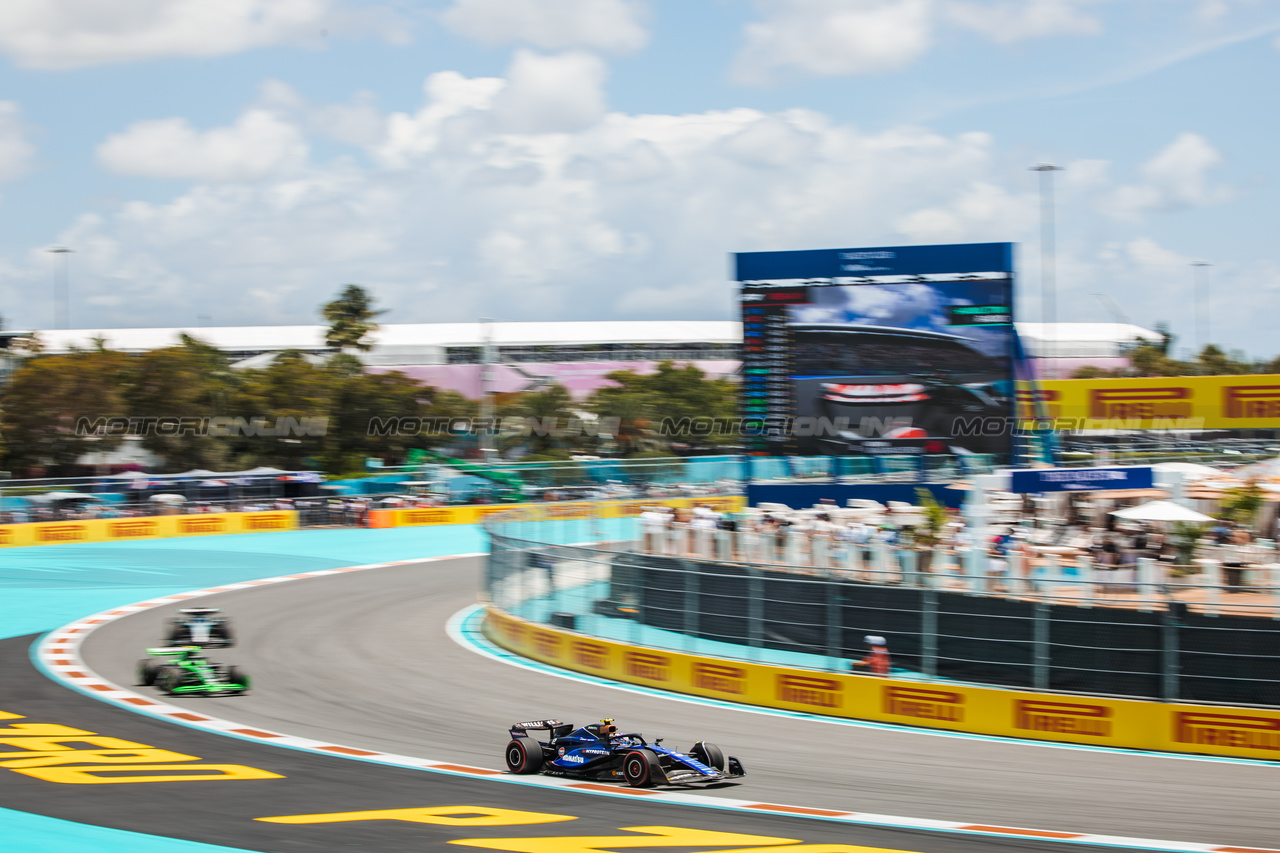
(886, 365)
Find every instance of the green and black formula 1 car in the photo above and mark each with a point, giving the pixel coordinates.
(189, 671)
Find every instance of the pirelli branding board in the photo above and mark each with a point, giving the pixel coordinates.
(810, 690)
(649, 666)
(1063, 718)
(1186, 402)
(923, 704)
(539, 512)
(547, 644)
(1034, 715)
(151, 527)
(589, 654)
(720, 678)
(1230, 730)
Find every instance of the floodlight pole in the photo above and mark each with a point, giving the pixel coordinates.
(1201, 306)
(61, 288)
(487, 431)
(1048, 299)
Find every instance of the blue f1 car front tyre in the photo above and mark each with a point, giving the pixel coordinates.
(640, 767)
(523, 757)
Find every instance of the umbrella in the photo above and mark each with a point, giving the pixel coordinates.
(1160, 511)
(1193, 470)
(52, 497)
(167, 499)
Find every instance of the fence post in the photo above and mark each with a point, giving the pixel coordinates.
(1170, 663)
(907, 566)
(929, 633)
(1146, 584)
(835, 624)
(975, 570)
(692, 577)
(821, 553)
(1212, 573)
(1084, 567)
(880, 556)
(1040, 634)
(1048, 573)
(755, 607)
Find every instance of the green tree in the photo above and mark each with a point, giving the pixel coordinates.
(1148, 359)
(291, 387)
(673, 396)
(1212, 361)
(350, 318)
(48, 397)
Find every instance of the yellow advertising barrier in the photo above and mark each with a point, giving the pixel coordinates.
(1124, 723)
(151, 527)
(1180, 402)
(542, 511)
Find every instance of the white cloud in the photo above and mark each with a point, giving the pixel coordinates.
(1176, 177)
(830, 38)
(1018, 20)
(546, 94)
(259, 144)
(456, 210)
(463, 211)
(77, 33)
(833, 38)
(614, 26)
(16, 153)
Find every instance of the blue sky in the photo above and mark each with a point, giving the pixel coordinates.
(236, 162)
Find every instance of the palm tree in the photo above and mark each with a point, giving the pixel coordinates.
(350, 318)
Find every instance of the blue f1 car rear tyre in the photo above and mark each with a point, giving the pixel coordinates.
(639, 767)
(523, 757)
(709, 754)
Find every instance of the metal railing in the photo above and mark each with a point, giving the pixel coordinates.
(1137, 631)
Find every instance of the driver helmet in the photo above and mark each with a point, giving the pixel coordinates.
(607, 730)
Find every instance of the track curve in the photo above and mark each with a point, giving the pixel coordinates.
(363, 659)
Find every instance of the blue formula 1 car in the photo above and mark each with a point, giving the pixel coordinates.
(601, 753)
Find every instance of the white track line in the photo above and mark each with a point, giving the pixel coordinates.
(58, 654)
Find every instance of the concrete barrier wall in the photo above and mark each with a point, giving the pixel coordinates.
(1134, 724)
(150, 527)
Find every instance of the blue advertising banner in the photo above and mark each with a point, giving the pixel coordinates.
(889, 260)
(1079, 479)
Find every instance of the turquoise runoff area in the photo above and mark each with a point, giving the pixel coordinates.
(31, 833)
(47, 586)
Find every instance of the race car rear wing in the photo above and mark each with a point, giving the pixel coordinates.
(555, 727)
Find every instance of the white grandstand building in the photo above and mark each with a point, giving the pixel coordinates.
(576, 354)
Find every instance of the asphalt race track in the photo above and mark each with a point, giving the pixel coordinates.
(430, 808)
(363, 660)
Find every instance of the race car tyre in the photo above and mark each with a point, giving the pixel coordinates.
(147, 672)
(170, 678)
(524, 758)
(222, 632)
(236, 675)
(709, 754)
(639, 767)
(179, 635)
